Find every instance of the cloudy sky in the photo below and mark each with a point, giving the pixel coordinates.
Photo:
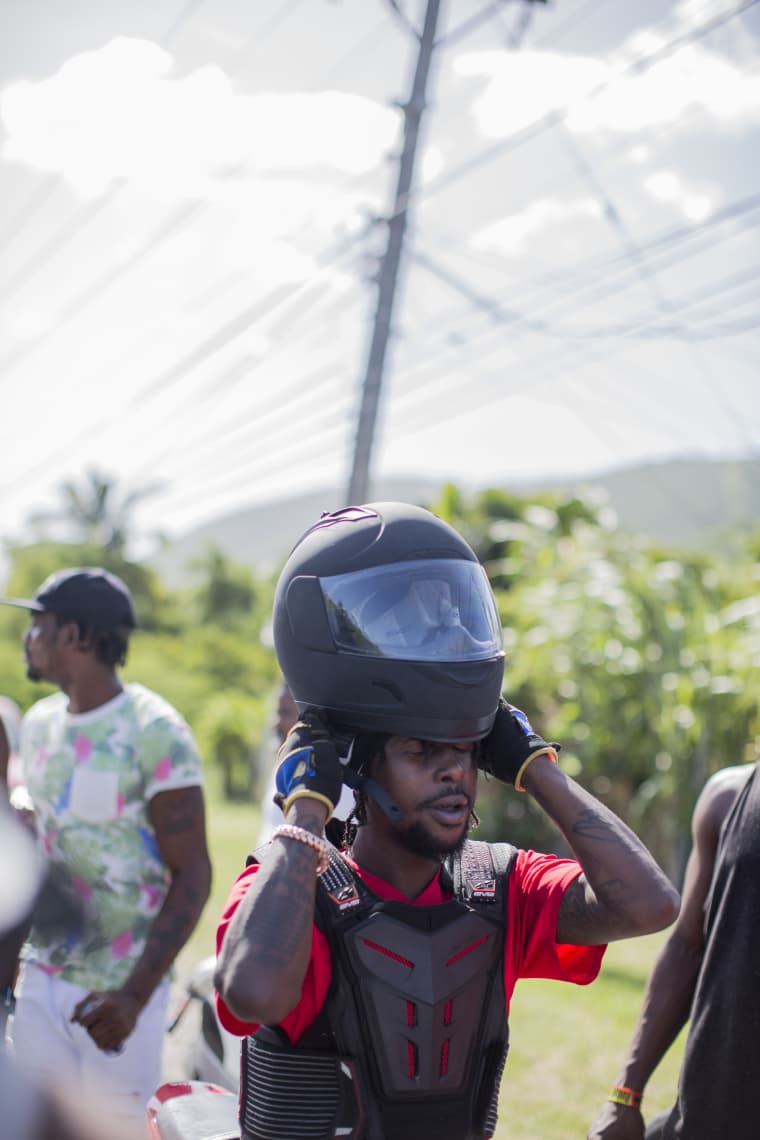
(192, 195)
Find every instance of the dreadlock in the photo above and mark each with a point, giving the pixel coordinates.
(367, 752)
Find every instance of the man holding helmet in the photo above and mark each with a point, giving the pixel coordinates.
(372, 986)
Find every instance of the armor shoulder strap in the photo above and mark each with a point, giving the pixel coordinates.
(341, 892)
(480, 871)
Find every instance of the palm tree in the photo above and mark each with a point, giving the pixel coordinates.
(94, 512)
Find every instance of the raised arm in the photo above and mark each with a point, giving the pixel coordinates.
(667, 999)
(622, 892)
(265, 951)
(263, 958)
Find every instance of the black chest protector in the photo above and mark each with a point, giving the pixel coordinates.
(413, 1036)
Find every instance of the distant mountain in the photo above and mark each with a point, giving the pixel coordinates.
(680, 503)
(263, 535)
(685, 502)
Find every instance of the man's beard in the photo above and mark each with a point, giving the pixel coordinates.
(415, 838)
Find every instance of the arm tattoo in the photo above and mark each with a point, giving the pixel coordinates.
(275, 929)
(174, 816)
(588, 920)
(591, 824)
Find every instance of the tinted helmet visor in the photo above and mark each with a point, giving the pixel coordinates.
(429, 610)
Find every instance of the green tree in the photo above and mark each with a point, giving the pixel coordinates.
(227, 725)
(640, 661)
(31, 564)
(227, 592)
(93, 512)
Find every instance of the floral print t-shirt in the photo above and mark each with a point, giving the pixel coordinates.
(91, 777)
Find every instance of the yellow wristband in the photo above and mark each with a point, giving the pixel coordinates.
(621, 1094)
(548, 751)
(300, 792)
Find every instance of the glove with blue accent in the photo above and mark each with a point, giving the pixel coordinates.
(511, 745)
(308, 765)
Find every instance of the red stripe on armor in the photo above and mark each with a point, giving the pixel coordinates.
(467, 950)
(445, 1057)
(447, 1013)
(411, 1013)
(411, 1056)
(390, 953)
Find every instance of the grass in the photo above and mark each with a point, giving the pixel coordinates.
(567, 1042)
(567, 1045)
(232, 830)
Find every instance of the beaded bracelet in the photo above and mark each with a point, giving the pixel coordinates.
(548, 751)
(290, 831)
(621, 1094)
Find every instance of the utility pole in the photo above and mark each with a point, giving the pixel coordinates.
(373, 377)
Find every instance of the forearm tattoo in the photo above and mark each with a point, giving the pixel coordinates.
(274, 928)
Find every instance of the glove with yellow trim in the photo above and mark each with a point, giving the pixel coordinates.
(511, 745)
(308, 765)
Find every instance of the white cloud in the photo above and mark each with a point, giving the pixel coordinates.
(439, 452)
(523, 87)
(510, 235)
(432, 164)
(118, 112)
(639, 154)
(666, 186)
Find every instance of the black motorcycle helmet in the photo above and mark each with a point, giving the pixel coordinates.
(385, 621)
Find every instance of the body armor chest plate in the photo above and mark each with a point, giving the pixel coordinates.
(423, 975)
(413, 1036)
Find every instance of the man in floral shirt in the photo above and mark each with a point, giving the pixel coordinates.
(116, 781)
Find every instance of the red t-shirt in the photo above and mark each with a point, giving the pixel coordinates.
(536, 887)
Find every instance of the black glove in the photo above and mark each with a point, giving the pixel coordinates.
(511, 744)
(308, 765)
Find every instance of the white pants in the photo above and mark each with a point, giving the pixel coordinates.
(52, 1049)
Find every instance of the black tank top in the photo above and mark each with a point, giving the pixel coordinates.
(719, 1088)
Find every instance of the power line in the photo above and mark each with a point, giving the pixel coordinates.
(264, 459)
(282, 405)
(74, 226)
(237, 326)
(171, 227)
(95, 291)
(398, 12)
(324, 428)
(184, 15)
(604, 280)
(418, 398)
(91, 210)
(557, 32)
(472, 23)
(267, 31)
(604, 287)
(232, 329)
(554, 364)
(30, 209)
(203, 351)
(637, 66)
(554, 370)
